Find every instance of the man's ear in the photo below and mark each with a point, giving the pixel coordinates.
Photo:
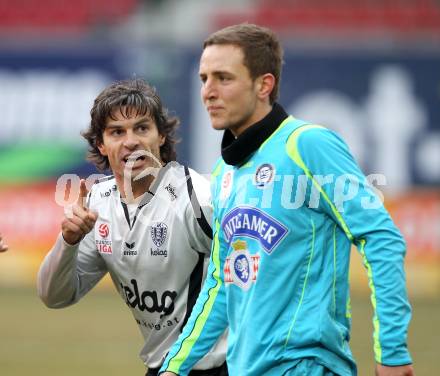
(162, 140)
(265, 84)
(102, 149)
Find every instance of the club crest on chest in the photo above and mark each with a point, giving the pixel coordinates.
(241, 268)
(159, 233)
(264, 175)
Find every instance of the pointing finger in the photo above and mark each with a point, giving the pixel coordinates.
(83, 192)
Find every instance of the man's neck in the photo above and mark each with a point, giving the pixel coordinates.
(132, 190)
(260, 113)
(236, 150)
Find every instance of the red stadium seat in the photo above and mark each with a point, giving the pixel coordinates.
(80, 15)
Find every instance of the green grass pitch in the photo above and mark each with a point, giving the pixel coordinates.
(99, 337)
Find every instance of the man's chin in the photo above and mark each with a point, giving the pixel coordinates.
(138, 179)
(219, 126)
(144, 173)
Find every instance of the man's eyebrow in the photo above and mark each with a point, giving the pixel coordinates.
(145, 120)
(115, 124)
(216, 73)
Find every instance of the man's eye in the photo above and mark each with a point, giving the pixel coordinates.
(116, 132)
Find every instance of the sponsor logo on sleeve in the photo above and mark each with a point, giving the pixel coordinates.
(253, 223)
(106, 193)
(171, 191)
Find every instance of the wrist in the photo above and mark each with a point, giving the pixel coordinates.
(70, 240)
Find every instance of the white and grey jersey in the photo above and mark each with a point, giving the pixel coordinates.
(156, 258)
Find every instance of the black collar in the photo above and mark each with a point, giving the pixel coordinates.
(236, 150)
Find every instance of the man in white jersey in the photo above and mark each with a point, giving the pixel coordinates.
(147, 225)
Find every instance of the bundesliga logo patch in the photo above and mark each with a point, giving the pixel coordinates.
(103, 243)
(103, 230)
(241, 268)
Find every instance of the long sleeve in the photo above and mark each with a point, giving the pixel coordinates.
(69, 272)
(345, 196)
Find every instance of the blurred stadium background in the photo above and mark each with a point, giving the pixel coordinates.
(369, 69)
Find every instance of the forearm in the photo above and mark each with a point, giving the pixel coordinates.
(384, 262)
(56, 281)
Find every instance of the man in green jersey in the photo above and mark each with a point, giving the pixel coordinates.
(279, 265)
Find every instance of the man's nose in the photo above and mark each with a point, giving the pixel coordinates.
(131, 140)
(209, 90)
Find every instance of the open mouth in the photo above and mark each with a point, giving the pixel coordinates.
(134, 158)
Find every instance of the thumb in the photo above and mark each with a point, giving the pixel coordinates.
(83, 192)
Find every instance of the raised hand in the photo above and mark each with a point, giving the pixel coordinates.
(81, 220)
(3, 246)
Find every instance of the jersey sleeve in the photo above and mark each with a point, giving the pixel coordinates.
(346, 196)
(68, 272)
(199, 212)
(208, 320)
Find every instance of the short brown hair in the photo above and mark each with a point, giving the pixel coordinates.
(134, 94)
(261, 49)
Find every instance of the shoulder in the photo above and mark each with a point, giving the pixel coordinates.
(288, 134)
(191, 194)
(309, 133)
(201, 186)
(317, 146)
(181, 181)
(199, 180)
(217, 167)
(200, 207)
(217, 172)
(312, 136)
(102, 189)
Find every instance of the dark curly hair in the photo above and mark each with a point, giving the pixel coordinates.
(126, 96)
